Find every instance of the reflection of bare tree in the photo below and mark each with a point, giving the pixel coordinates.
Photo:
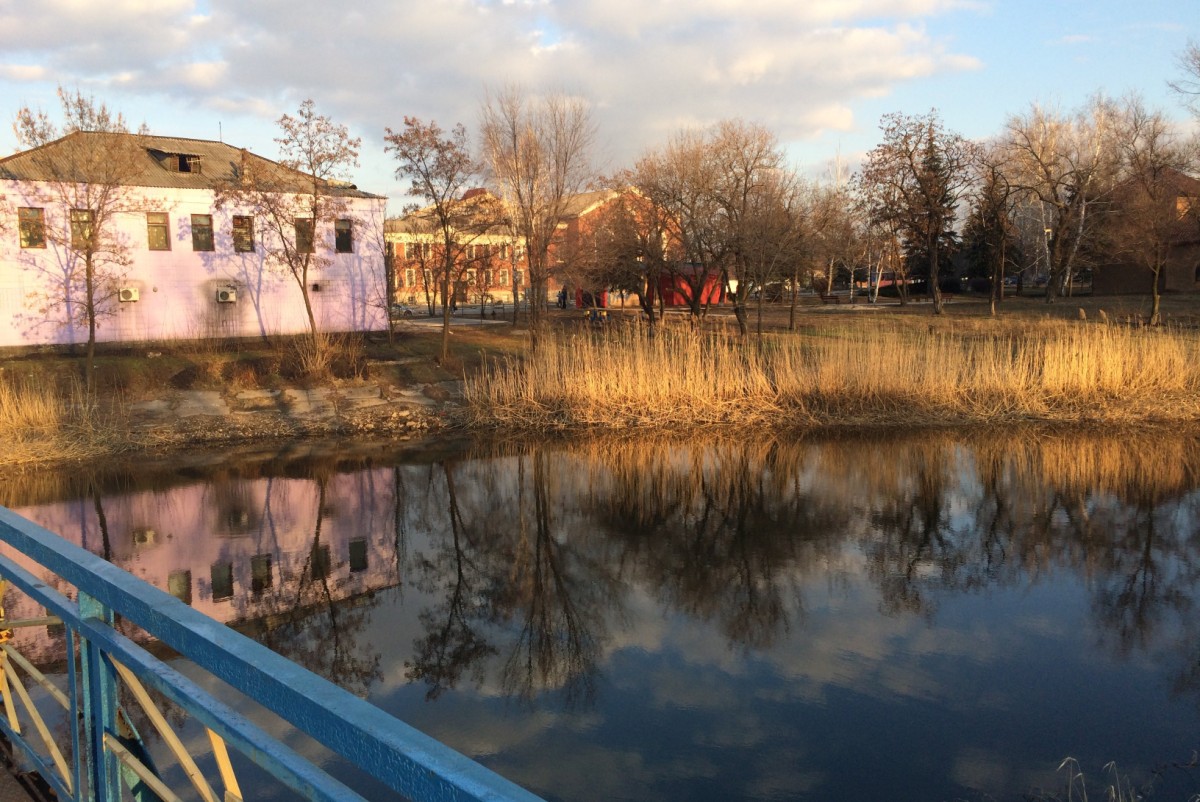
(1147, 589)
(724, 530)
(506, 562)
(451, 645)
(557, 645)
(286, 616)
(912, 539)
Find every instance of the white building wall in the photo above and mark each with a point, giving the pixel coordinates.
(177, 289)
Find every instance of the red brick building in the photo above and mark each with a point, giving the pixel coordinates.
(1177, 230)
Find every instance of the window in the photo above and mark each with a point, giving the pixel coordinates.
(410, 277)
(320, 561)
(222, 581)
(305, 239)
(519, 278)
(343, 236)
(33, 228)
(184, 163)
(503, 280)
(202, 232)
(1183, 206)
(503, 252)
(358, 555)
(260, 573)
(179, 585)
(158, 231)
(81, 228)
(243, 233)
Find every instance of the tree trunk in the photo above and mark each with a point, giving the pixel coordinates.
(935, 290)
(445, 316)
(89, 365)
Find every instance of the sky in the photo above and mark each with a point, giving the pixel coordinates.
(817, 73)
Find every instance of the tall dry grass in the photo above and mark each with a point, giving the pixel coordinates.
(40, 423)
(1048, 371)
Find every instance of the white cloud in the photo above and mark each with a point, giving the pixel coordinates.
(646, 68)
(22, 72)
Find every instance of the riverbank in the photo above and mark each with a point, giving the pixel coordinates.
(162, 398)
(833, 367)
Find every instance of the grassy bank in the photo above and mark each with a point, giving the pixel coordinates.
(43, 422)
(855, 373)
(47, 417)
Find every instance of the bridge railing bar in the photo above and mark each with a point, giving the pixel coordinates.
(401, 757)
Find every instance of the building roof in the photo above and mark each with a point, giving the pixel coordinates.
(419, 221)
(579, 205)
(155, 161)
(476, 209)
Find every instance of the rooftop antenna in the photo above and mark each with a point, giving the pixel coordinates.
(220, 133)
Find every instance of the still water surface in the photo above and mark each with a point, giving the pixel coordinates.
(856, 619)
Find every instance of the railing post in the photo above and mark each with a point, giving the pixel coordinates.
(99, 708)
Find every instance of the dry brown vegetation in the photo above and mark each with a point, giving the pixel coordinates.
(41, 423)
(854, 373)
(46, 415)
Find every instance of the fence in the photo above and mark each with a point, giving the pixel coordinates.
(107, 673)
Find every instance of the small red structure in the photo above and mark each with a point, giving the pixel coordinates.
(676, 287)
(587, 300)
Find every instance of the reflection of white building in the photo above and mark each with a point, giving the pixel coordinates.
(236, 550)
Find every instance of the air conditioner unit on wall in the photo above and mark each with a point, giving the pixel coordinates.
(226, 295)
(126, 294)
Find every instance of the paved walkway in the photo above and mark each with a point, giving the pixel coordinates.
(11, 789)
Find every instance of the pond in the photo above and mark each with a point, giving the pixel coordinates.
(934, 616)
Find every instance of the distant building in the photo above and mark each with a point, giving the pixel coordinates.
(184, 268)
(1181, 237)
(492, 264)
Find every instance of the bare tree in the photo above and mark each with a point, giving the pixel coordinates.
(680, 179)
(628, 248)
(87, 176)
(1189, 85)
(441, 168)
(293, 200)
(538, 151)
(757, 202)
(990, 228)
(1065, 164)
(1148, 220)
(873, 203)
(918, 175)
(773, 237)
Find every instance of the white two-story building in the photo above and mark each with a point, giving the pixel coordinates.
(175, 264)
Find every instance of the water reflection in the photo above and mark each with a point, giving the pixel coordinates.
(578, 578)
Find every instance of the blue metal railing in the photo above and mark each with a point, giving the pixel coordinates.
(404, 759)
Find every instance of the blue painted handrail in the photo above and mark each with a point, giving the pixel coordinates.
(406, 760)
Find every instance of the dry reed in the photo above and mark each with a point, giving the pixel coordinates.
(885, 374)
(42, 423)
